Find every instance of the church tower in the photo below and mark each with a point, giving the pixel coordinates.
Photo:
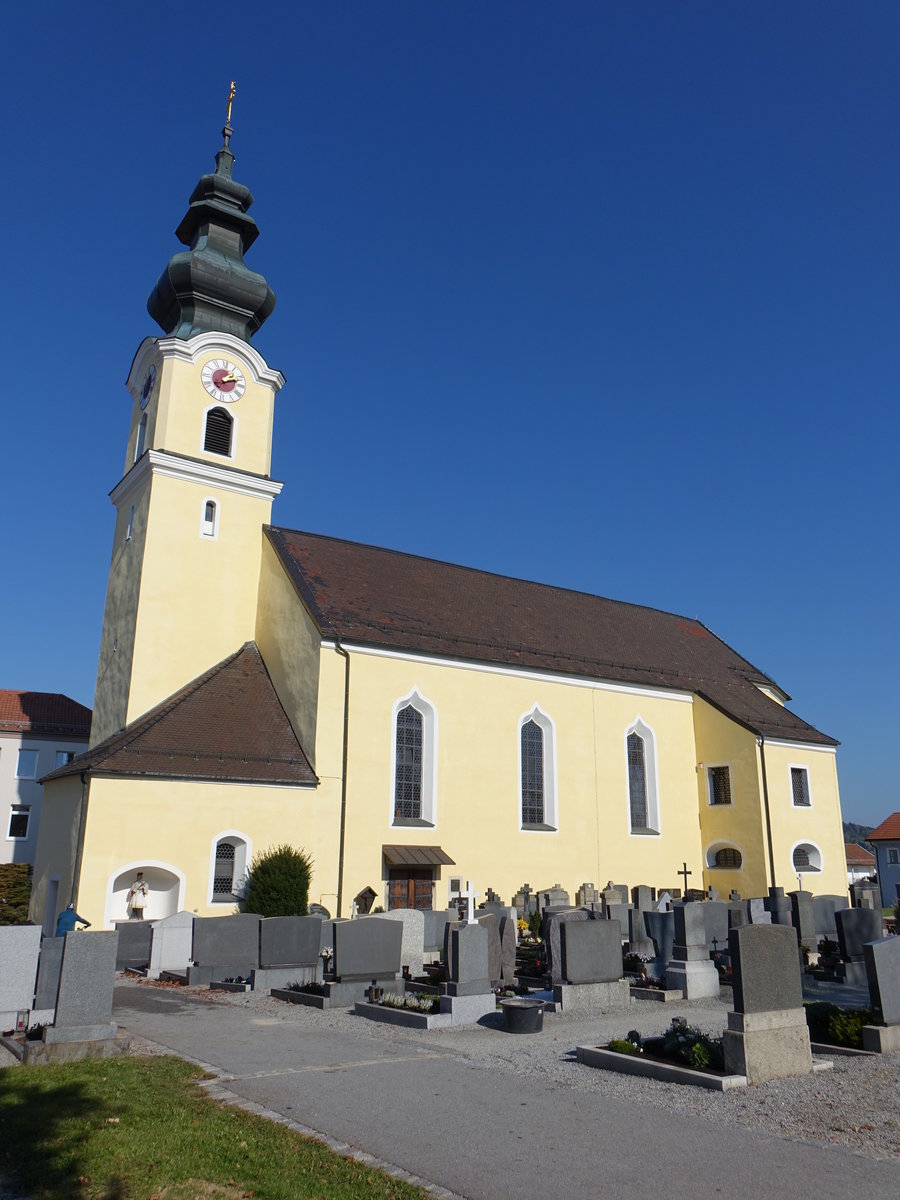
(196, 489)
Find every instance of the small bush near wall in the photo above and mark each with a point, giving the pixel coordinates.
(278, 883)
(15, 893)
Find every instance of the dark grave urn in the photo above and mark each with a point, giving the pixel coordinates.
(521, 1015)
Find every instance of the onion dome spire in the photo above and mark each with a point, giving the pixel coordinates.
(209, 287)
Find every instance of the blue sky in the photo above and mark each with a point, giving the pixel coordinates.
(599, 294)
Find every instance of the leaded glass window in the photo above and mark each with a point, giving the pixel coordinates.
(408, 773)
(719, 785)
(800, 787)
(637, 781)
(728, 857)
(223, 878)
(532, 774)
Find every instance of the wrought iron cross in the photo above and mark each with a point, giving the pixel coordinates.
(685, 872)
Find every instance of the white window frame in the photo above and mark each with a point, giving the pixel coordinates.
(718, 766)
(17, 810)
(816, 858)
(209, 531)
(243, 855)
(546, 724)
(34, 772)
(651, 780)
(714, 847)
(805, 769)
(429, 716)
(895, 861)
(140, 438)
(234, 429)
(66, 756)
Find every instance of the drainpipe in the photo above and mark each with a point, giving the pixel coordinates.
(340, 880)
(79, 844)
(761, 742)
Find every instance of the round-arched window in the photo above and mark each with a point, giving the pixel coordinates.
(728, 857)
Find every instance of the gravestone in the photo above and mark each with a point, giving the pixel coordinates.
(590, 952)
(856, 927)
(715, 920)
(435, 922)
(289, 941)
(49, 967)
(690, 969)
(586, 894)
(224, 946)
(767, 1035)
(412, 946)
(865, 895)
(20, 946)
(618, 913)
(366, 949)
(883, 972)
(660, 928)
(135, 938)
(778, 906)
(85, 997)
(734, 895)
(642, 896)
(664, 901)
(824, 908)
(555, 897)
(467, 959)
(757, 912)
(803, 919)
(638, 941)
(170, 948)
(508, 939)
(525, 901)
(615, 893)
(551, 936)
(712, 892)
(491, 923)
(737, 916)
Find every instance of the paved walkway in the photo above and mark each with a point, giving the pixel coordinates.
(484, 1133)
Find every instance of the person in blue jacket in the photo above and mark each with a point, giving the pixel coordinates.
(65, 922)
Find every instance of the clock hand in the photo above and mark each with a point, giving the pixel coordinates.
(229, 378)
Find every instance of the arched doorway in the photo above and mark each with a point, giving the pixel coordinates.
(165, 885)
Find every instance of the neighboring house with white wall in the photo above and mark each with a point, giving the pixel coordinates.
(860, 862)
(39, 731)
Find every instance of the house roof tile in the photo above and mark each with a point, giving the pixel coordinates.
(43, 712)
(887, 831)
(397, 601)
(858, 856)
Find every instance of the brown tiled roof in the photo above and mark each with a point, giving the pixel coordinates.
(887, 831)
(43, 712)
(227, 725)
(401, 602)
(858, 856)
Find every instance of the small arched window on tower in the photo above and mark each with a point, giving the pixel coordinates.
(219, 425)
(209, 527)
(141, 439)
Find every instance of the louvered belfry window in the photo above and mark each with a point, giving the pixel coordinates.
(218, 432)
(637, 781)
(408, 774)
(532, 774)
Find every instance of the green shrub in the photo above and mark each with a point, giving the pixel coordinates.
(15, 893)
(278, 883)
(534, 924)
(836, 1026)
(686, 1044)
(623, 1046)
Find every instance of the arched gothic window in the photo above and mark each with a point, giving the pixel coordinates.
(637, 781)
(219, 425)
(210, 512)
(230, 860)
(532, 745)
(408, 765)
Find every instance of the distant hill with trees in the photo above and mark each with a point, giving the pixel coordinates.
(858, 834)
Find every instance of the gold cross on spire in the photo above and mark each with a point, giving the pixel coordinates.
(231, 92)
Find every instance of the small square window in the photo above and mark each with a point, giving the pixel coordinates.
(18, 820)
(26, 768)
(64, 757)
(893, 858)
(719, 785)
(800, 787)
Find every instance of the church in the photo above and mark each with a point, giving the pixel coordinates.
(409, 723)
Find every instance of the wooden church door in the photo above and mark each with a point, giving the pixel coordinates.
(410, 887)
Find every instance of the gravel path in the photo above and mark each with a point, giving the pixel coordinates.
(855, 1104)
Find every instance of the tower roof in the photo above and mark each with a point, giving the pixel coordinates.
(209, 286)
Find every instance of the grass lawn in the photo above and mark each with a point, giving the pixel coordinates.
(142, 1128)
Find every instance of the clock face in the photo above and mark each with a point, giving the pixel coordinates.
(223, 380)
(147, 389)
